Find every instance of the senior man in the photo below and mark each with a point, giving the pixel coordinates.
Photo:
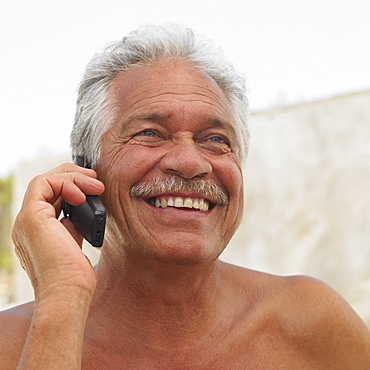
(161, 118)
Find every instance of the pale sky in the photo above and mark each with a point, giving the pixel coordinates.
(290, 50)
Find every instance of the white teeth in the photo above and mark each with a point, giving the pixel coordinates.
(179, 202)
(188, 203)
(163, 203)
(201, 204)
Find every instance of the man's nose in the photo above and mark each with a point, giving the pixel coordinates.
(185, 159)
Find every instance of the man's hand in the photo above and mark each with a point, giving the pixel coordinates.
(50, 250)
(62, 277)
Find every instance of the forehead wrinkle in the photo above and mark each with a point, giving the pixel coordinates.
(154, 70)
(208, 94)
(153, 103)
(211, 92)
(131, 102)
(218, 118)
(158, 113)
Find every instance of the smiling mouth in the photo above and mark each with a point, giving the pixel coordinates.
(199, 204)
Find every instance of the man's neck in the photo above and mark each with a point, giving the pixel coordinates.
(165, 303)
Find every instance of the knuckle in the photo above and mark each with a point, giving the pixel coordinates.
(37, 179)
(67, 167)
(20, 220)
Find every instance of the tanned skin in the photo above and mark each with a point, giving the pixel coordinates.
(159, 297)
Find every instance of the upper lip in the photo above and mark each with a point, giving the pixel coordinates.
(175, 187)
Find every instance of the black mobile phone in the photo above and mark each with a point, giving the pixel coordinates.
(88, 218)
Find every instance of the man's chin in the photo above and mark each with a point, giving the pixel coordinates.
(185, 252)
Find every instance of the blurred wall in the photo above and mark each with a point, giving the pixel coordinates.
(307, 206)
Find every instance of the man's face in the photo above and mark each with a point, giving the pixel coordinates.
(173, 122)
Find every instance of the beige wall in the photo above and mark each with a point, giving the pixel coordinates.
(307, 206)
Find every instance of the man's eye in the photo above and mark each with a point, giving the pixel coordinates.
(147, 133)
(218, 139)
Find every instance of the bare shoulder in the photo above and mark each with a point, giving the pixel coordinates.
(311, 317)
(14, 325)
(319, 319)
(317, 302)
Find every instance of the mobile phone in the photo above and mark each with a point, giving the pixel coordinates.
(88, 218)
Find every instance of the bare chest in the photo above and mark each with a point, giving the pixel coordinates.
(268, 351)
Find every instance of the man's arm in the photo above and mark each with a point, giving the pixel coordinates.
(62, 277)
(55, 337)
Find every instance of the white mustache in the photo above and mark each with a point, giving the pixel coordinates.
(207, 188)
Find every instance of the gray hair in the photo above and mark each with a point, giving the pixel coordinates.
(149, 44)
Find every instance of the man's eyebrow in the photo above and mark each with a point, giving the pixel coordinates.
(150, 117)
(158, 118)
(215, 122)
(218, 123)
